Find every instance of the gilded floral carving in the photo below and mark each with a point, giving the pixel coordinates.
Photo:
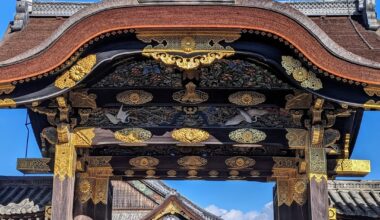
(306, 78)
(192, 162)
(133, 135)
(190, 135)
(144, 162)
(246, 98)
(76, 72)
(134, 97)
(240, 162)
(247, 136)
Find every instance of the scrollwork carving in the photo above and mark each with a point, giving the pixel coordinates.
(187, 50)
(190, 95)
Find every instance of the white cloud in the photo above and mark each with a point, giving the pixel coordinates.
(266, 213)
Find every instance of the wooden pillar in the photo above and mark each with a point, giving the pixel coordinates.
(94, 191)
(64, 175)
(315, 155)
(318, 191)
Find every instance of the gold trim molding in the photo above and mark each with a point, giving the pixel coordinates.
(7, 103)
(188, 49)
(76, 73)
(306, 78)
(371, 104)
(133, 135)
(190, 135)
(372, 90)
(65, 159)
(6, 88)
(332, 213)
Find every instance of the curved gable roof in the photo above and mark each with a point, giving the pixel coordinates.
(272, 17)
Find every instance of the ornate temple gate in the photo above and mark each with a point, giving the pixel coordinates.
(212, 102)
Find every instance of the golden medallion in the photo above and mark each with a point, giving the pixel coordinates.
(247, 136)
(247, 98)
(133, 135)
(190, 135)
(134, 97)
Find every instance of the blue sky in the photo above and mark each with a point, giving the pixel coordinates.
(236, 200)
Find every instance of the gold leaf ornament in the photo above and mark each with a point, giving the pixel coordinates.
(134, 97)
(76, 73)
(306, 78)
(190, 135)
(246, 98)
(133, 135)
(247, 136)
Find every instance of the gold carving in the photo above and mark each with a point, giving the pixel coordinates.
(247, 136)
(7, 103)
(213, 173)
(246, 98)
(33, 165)
(372, 90)
(129, 173)
(133, 135)
(190, 95)
(308, 79)
(234, 175)
(240, 162)
(98, 161)
(134, 97)
(83, 137)
(65, 158)
(93, 188)
(150, 174)
(254, 173)
(371, 104)
(6, 88)
(76, 72)
(189, 49)
(291, 190)
(192, 174)
(285, 163)
(81, 99)
(317, 168)
(144, 162)
(48, 212)
(352, 167)
(346, 150)
(190, 135)
(171, 173)
(332, 213)
(192, 162)
(297, 138)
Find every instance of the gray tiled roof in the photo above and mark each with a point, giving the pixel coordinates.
(355, 198)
